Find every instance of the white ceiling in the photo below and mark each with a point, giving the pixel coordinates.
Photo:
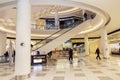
(109, 6)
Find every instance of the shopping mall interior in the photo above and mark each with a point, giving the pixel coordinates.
(59, 40)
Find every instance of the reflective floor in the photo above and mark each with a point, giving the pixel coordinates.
(87, 69)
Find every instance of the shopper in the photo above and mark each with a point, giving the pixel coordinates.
(85, 16)
(70, 55)
(98, 54)
(6, 55)
(14, 56)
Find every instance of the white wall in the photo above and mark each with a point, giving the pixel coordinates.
(94, 43)
(2, 43)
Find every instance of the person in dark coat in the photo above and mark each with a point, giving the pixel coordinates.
(70, 55)
(6, 55)
(50, 54)
(85, 16)
(14, 56)
(38, 53)
(98, 54)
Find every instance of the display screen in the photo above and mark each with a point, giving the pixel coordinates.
(37, 60)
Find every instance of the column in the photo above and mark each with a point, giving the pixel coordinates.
(2, 44)
(56, 19)
(104, 43)
(83, 12)
(23, 31)
(86, 45)
(10, 53)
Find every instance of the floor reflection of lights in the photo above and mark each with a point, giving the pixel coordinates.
(37, 68)
(118, 63)
(86, 68)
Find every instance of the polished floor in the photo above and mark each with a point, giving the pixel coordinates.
(87, 69)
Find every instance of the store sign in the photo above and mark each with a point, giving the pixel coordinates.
(77, 41)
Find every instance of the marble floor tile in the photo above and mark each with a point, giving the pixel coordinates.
(44, 69)
(5, 74)
(60, 72)
(79, 75)
(58, 78)
(103, 66)
(112, 69)
(96, 71)
(61, 69)
(76, 69)
(118, 74)
(91, 67)
(81, 78)
(105, 78)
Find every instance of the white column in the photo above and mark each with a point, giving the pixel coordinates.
(23, 31)
(104, 43)
(56, 19)
(86, 45)
(10, 53)
(83, 12)
(2, 43)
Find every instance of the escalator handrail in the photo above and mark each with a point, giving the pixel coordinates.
(73, 25)
(52, 34)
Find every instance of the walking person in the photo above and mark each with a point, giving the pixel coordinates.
(70, 55)
(14, 56)
(98, 54)
(85, 16)
(6, 55)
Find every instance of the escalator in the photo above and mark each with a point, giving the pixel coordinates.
(53, 41)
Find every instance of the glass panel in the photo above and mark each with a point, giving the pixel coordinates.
(56, 34)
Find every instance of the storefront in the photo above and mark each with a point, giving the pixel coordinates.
(115, 48)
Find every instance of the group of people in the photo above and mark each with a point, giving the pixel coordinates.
(6, 55)
(97, 52)
(80, 50)
(70, 55)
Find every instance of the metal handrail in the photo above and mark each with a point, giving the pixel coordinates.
(50, 38)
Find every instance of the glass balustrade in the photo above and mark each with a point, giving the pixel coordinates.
(57, 34)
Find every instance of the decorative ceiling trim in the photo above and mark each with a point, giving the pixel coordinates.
(113, 32)
(101, 14)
